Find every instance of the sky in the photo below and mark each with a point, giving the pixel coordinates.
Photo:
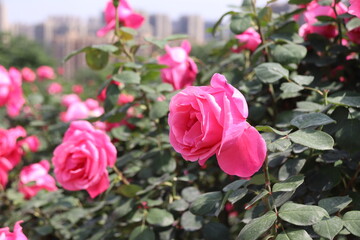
(36, 11)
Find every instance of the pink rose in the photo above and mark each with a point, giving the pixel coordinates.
(45, 72)
(314, 10)
(31, 142)
(76, 111)
(5, 167)
(69, 99)
(34, 178)
(250, 39)
(5, 233)
(354, 8)
(28, 75)
(127, 17)
(210, 120)
(182, 69)
(10, 148)
(80, 161)
(78, 89)
(54, 88)
(125, 98)
(11, 93)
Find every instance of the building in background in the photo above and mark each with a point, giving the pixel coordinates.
(193, 26)
(4, 26)
(161, 24)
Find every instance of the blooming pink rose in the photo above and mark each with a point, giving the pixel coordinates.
(182, 69)
(354, 35)
(81, 159)
(55, 88)
(69, 99)
(210, 120)
(5, 233)
(45, 72)
(31, 142)
(78, 89)
(314, 10)
(125, 98)
(28, 75)
(10, 148)
(34, 178)
(250, 39)
(354, 8)
(127, 17)
(11, 94)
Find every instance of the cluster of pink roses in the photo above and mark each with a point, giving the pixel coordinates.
(42, 72)
(14, 143)
(78, 109)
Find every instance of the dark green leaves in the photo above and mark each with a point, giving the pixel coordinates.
(289, 53)
(335, 204)
(313, 139)
(159, 217)
(142, 233)
(271, 72)
(206, 203)
(257, 227)
(328, 228)
(352, 222)
(311, 120)
(301, 215)
(191, 222)
(96, 59)
(289, 185)
(127, 77)
(240, 23)
(294, 235)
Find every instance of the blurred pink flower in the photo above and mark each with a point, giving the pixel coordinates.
(181, 70)
(28, 75)
(5, 233)
(69, 99)
(55, 88)
(11, 93)
(31, 142)
(354, 8)
(125, 98)
(314, 10)
(78, 89)
(45, 72)
(60, 71)
(127, 17)
(250, 39)
(80, 161)
(34, 178)
(210, 120)
(81, 110)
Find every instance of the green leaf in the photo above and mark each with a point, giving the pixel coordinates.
(216, 231)
(256, 227)
(176, 37)
(290, 87)
(335, 204)
(127, 77)
(206, 203)
(304, 106)
(350, 101)
(159, 217)
(313, 139)
(301, 215)
(142, 233)
(289, 185)
(271, 72)
(328, 228)
(302, 80)
(347, 136)
(122, 133)
(352, 222)
(190, 194)
(262, 194)
(265, 15)
(159, 110)
(159, 43)
(237, 195)
(294, 235)
(217, 24)
(289, 53)
(271, 129)
(239, 23)
(353, 23)
(234, 185)
(129, 190)
(311, 120)
(105, 47)
(179, 205)
(191, 222)
(291, 167)
(124, 208)
(96, 59)
(279, 145)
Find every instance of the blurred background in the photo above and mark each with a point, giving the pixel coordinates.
(44, 31)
